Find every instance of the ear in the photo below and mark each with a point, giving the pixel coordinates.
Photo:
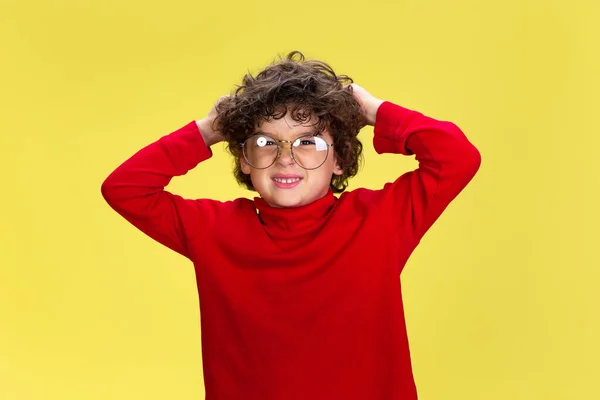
(244, 166)
(337, 170)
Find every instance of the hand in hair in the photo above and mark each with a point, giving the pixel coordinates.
(368, 103)
(207, 127)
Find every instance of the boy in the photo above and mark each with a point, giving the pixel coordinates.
(299, 290)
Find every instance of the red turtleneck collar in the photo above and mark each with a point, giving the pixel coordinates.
(295, 221)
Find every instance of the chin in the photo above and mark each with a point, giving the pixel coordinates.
(283, 201)
(288, 198)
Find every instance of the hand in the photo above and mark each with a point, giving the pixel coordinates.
(205, 125)
(368, 103)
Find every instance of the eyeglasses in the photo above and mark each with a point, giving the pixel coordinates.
(308, 151)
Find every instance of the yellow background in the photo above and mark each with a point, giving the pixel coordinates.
(501, 296)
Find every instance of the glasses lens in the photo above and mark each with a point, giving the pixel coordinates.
(310, 152)
(260, 151)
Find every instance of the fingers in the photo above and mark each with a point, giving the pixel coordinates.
(222, 98)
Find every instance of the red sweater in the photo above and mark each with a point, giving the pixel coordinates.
(301, 303)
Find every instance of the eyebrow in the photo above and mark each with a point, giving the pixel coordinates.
(307, 133)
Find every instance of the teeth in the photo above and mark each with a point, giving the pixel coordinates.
(288, 180)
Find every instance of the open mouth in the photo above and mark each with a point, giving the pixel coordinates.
(286, 182)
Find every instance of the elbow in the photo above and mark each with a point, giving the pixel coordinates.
(107, 190)
(469, 154)
(474, 158)
(470, 162)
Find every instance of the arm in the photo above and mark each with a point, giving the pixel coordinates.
(136, 189)
(447, 163)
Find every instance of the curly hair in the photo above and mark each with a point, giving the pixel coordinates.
(304, 88)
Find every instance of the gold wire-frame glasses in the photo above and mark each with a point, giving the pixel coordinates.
(316, 144)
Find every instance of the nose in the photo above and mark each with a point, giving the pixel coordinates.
(285, 154)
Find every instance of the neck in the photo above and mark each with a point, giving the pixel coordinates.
(295, 220)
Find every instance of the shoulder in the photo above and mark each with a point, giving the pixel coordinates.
(369, 199)
(238, 205)
(361, 200)
(207, 215)
(363, 196)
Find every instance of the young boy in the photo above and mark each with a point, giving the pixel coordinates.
(299, 290)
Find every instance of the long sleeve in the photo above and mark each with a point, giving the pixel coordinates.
(447, 163)
(136, 189)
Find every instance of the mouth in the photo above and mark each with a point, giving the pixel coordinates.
(286, 182)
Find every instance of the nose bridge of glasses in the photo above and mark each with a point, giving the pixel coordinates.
(283, 145)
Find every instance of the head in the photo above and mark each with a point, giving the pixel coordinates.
(292, 98)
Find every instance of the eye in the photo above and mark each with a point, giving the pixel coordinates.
(262, 141)
(304, 142)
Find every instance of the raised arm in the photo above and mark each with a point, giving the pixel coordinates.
(447, 163)
(136, 189)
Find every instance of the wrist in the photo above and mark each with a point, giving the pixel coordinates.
(209, 135)
(372, 111)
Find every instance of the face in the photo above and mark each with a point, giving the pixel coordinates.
(285, 183)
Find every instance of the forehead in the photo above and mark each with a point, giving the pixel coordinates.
(287, 127)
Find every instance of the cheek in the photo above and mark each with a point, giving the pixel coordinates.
(260, 178)
(322, 175)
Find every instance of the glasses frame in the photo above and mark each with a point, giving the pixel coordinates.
(277, 141)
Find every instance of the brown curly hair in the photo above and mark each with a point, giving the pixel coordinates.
(304, 88)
